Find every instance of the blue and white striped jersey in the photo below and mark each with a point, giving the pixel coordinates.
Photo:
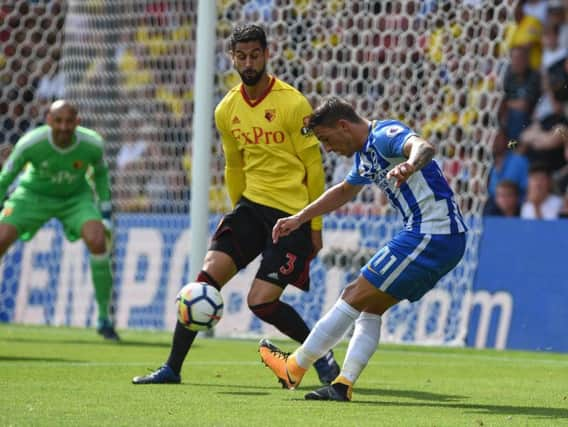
(425, 200)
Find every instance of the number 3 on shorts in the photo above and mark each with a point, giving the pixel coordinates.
(290, 265)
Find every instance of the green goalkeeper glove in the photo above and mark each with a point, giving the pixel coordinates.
(106, 213)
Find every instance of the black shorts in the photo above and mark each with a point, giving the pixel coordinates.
(246, 232)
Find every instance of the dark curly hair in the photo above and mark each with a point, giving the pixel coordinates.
(248, 33)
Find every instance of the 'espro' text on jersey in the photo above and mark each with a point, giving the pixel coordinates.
(275, 164)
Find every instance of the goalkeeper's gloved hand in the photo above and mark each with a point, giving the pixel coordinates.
(106, 213)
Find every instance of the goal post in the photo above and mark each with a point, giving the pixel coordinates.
(131, 67)
(202, 141)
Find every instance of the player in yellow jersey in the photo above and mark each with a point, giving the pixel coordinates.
(272, 170)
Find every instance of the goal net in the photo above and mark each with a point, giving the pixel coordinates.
(130, 68)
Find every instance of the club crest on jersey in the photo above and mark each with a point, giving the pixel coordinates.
(393, 130)
(306, 131)
(78, 164)
(7, 211)
(270, 114)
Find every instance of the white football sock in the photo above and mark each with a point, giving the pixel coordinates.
(362, 345)
(326, 333)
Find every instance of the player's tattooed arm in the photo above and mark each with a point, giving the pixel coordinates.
(419, 152)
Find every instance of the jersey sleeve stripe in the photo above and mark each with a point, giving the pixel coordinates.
(31, 139)
(90, 137)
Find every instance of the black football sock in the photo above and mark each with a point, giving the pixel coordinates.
(181, 343)
(203, 276)
(183, 337)
(284, 318)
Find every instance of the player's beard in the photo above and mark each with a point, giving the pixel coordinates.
(63, 139)
(251, 79)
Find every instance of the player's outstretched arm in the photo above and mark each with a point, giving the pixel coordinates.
(332, 199)
(419, 153)
(13, 166)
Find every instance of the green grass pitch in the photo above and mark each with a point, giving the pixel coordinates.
(71, 377)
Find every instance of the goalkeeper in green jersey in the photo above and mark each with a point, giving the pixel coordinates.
(57, 159)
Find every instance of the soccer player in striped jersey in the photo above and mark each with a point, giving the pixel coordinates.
(272, 170)
(432, 242)
(58, 156)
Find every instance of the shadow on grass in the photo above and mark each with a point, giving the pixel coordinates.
(445, 402)
(411, 394)
(490, 409)
(434, 400)
(531, 411)
(244, 393)
(233, 386)
(307, 387)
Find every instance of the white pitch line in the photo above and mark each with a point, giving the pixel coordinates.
(529, 363)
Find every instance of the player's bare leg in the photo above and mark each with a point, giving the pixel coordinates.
(328, 331)
(219, 266)
(372, 303)
(363, 296)
(8, 235)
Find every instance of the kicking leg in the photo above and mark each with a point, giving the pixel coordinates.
(327, 332)
(363, 342)
(287, 320)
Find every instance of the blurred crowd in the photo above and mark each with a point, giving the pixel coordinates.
(135, 87)
(30, 39)
(529, 176)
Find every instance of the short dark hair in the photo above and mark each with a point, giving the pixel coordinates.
(248, 33)
(511, 185)
(539, 167)
(330, 111)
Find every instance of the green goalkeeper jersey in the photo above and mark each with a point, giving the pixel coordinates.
(54, 171)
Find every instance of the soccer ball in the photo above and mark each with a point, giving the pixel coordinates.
(199, 306)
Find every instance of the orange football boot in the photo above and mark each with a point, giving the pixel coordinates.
(283, 364)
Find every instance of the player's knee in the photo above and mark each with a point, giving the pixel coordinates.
(93, 234)
(8, 235)
(362, 296)
(96, 243)
(97, 247)
(220, 266)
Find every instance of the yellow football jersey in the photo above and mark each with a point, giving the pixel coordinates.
(268, 159)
